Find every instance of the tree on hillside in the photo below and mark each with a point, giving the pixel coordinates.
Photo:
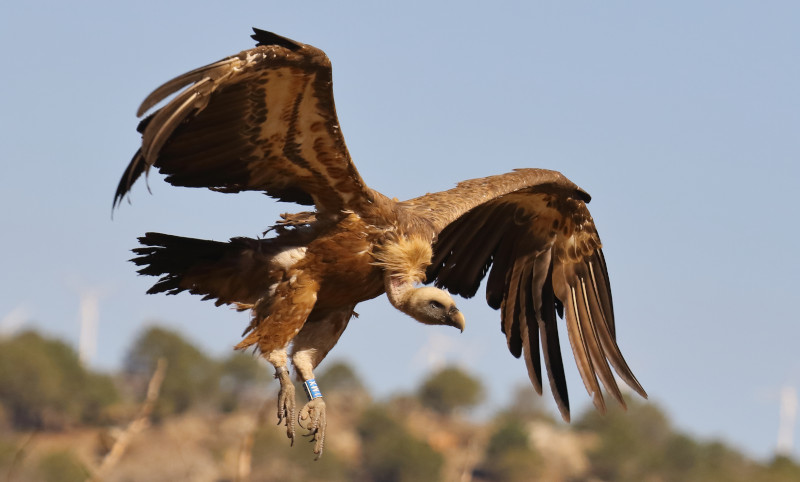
(340, 375)
(782, 468)
(640, 444)
(526, 404)
(61, 466)
(509, 455)
(630, 442)
(391, 453)
(191, 376)
(451, 389)
(240, 374)
(43, 384)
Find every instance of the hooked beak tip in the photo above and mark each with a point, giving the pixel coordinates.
(459, 321)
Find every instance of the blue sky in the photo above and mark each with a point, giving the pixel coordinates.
(680, 119)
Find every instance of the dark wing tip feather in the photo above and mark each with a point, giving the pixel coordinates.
(263, 37)
(530, 328)
(599, 290)
(134, 170)
(511, 312)
(551, 347)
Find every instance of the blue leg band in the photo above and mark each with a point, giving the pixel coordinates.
(312, 390)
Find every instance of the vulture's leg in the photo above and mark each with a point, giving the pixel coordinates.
(315, 340)
(286, 402)
(276, 320)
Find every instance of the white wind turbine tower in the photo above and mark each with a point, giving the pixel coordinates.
(788, 417)
(88, 314)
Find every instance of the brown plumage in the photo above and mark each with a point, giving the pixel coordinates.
(264, 120)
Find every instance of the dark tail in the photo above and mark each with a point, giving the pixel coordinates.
(237, 271)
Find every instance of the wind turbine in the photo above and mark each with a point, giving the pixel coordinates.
(788, 417)
(89, 314)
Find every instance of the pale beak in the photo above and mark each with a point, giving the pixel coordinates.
(457, 319)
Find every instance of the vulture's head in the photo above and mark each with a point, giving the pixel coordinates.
(433, 306)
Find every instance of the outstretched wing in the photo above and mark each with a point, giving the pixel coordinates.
(262, 120)
(531, 232)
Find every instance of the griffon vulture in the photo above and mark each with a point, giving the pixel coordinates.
(264, 120)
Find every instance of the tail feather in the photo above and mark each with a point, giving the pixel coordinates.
(235, 272)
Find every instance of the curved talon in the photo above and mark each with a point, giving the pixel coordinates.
(286, 403)
(314, 416)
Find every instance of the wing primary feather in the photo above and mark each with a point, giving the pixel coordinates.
(580, 351)
(134, 170)
(153, 145)
(207, 155)
(171, 86)
(225, 122)
(607, 340)
(443, 248)
(467, 231)
(599, 272)
(474, 265)
(510, 310)
(551, 348)
(263, 37)
(466, 267)
(455, 233)
(529, 326)
(590, 330)
(496, 284)
(167, 119)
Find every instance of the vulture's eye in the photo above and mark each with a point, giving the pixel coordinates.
(436, 305)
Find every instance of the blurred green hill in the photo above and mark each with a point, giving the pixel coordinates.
(214, 421)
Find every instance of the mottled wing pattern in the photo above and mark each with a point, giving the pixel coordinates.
(261, 120)
(531, 232)
(442, 208)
